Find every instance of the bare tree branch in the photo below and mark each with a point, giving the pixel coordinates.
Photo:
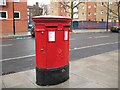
(65, 5)
(77, 5)
(106, 6)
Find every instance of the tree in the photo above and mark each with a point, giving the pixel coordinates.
(115, 11)
(71, 5)
(37, 11)
(45, 9)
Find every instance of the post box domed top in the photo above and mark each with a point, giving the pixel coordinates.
(51, 18)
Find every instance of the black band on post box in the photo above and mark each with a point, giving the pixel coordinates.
(52, 76)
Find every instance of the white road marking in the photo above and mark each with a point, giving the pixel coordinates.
(18, 57)
(72, 39)
(6, 45)
(94, 46)
(90, 37)
(22, 57)
(101, 36)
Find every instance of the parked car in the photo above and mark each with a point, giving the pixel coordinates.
(32, 31)
(115, 29)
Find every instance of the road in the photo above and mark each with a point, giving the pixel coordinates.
(19, 54)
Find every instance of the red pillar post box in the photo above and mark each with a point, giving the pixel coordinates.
(52, 49)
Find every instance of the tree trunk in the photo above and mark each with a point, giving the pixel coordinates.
(71, 27)
(119, 13)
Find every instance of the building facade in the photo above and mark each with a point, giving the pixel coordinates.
(87, 11)
(55, 8)
(91, 11)
(32, 11)
(20, 16)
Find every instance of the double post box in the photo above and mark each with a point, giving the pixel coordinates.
(52, 49)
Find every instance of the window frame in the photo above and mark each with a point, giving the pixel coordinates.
(83, 14)
(89, 14)
(110, 11)
(102, 3)
(76, 15)
(95, 13)
(19, 14)
(3, 4)
(95, 5)
(89, 6)
(110, 2)
(102, 20)
(83, 7)
(101, 11)
(17, 1)
(6, 15)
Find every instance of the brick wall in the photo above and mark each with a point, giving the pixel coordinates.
(20, 24)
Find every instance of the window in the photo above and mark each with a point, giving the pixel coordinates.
(68, 9)
(110, 11)
(61, 10)
(89, 14)
(75, 9)
(109, 20)
(3, 14)
(95, 5)
(17, 15)
(102, 20)
(28, 13)
(64, 10)
(89, 6)
(31, 14)
(75, 16)
(94, 13)
(102, 3)
(83, 7)
(2, 2)
(16, 0)
(102, 11)
(110, 2)
(82, 14)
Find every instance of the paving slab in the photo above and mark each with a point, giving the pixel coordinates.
(99, 71)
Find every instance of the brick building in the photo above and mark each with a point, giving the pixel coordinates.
(20, 16)
(34, 10)
(91, 11)
(87, 11)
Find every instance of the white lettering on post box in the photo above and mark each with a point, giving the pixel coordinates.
(51, 36)
(66, 35)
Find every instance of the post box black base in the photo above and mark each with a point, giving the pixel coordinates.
(53, 76)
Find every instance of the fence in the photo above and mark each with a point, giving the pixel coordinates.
(91, 24)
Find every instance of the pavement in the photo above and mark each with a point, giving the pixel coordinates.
(11, 35)
(89, 30)
(98, 71)
(23, 34)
